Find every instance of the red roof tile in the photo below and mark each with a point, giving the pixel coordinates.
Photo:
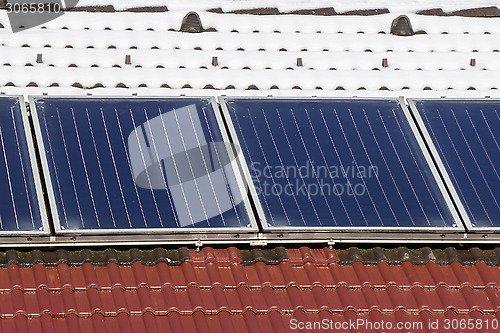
(217, 291)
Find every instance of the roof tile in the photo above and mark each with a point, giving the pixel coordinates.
(393, 275)
(177, 276)
(77, 279)
(466, 275)
(402, 300)
(82, 303)
(427, 300)
(417, 275)
(128, 301)
(106, 303)
(369, 275)
(139, 274)
(442, 275)
(318, 257)
(451, 300)
(124, 323)
(21, 324)
(121, 277)
(94, 298)
(205, 294)
(345, 275)
(169, 299)
(489, 274)
(494, 296)
(68, 297)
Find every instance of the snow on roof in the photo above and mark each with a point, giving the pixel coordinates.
(410, 6)
(302, 55)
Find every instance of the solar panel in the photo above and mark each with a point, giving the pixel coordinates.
(464, 136)
(346, 164)
(21, 209)
(136, 164)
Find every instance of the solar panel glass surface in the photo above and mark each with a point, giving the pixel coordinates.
(132, 164)
(19, 206)
(466, 136)
(337, 163)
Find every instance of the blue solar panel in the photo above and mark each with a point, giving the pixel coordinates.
(337, 163)
(19, 206)
(132, 164)
(466, 136)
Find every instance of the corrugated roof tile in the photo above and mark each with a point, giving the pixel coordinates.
(168, 299)
(15, 277)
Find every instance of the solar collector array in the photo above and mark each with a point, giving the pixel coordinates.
(337, 164)
(138, 164)
(164, 164)
(465, 136)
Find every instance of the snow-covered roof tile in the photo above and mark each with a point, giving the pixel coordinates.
(83, 52)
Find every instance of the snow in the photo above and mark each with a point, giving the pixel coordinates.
(341, 55)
